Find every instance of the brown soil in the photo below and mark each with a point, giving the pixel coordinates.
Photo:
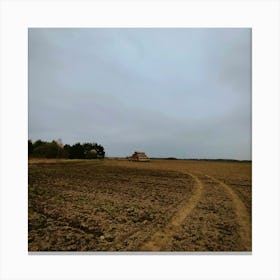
(243, 219)
(162, 237)
(161, 205)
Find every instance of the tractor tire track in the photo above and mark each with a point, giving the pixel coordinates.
(242, 215)
(162, 237)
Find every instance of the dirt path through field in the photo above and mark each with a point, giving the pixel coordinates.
(241, 215)
(160, 238)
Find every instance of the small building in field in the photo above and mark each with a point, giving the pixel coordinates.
(139, 156)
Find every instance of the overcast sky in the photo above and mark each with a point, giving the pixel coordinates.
(182, 93)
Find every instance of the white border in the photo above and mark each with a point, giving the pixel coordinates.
(262, 16)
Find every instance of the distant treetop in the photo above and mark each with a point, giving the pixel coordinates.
(56, 149)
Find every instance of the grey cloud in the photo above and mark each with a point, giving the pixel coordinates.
(171, 92)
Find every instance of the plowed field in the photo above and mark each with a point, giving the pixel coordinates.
(117, 205)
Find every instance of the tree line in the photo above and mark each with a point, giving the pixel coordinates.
(56, 149)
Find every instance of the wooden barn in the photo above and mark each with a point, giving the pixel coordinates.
(139, 156)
